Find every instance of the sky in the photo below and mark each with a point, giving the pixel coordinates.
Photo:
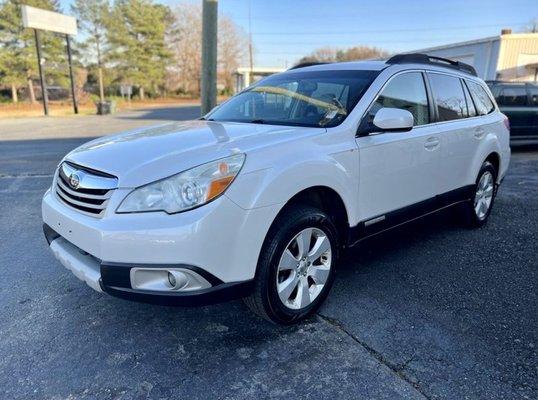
(285, 30)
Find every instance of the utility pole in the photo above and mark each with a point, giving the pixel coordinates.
(209, 55)
(250, 39)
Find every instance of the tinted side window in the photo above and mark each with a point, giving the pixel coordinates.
(406, 91)
(471, 110)
(483, 103)
(449, 97)
(512, 96)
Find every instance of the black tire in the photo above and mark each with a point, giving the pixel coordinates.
(264, 300)
(470, 217)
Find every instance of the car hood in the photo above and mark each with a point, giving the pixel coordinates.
(146, 155)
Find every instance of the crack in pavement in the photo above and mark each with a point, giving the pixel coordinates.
(395, 368)
(9, 176)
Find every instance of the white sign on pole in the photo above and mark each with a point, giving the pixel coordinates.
(37, 18)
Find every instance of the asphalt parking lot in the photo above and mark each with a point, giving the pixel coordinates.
(430, 310)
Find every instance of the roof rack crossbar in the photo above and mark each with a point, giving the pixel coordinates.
(418, 58)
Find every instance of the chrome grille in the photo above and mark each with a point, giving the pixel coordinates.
(84, 189)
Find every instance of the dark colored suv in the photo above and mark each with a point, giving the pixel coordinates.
(519, 102)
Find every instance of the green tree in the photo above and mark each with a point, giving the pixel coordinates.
(12, 72)
(93, 17)
(136, 34)
(18, 60)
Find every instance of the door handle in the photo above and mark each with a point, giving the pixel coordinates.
(479, 133)
(431, 143)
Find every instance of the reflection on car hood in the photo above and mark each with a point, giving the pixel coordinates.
(142, 156)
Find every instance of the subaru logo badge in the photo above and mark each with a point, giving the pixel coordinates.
(74, 180)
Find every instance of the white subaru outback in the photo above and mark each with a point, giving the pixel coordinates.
(258, 198)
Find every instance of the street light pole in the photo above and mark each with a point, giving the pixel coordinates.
(209, 55)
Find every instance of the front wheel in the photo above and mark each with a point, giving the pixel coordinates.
(296, 266)
(477, 209)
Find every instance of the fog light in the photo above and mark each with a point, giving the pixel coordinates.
(166, 279)
(172, 279)
(177, 279)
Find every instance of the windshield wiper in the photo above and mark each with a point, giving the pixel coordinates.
(257, 121)
(205, 119)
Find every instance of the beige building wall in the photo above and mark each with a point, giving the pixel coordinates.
(518, 57)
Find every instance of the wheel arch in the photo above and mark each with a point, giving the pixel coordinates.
(489, 150)
(495, 159)
(326, 199)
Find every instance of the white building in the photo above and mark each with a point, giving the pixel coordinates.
(507, 57)
(245, 76)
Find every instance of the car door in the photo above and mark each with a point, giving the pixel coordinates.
(459, 134)
(398, 169)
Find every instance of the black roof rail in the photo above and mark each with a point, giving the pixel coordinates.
(418, 58)
(307, 64)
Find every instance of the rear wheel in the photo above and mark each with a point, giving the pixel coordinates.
(296, 266)
(477, 209)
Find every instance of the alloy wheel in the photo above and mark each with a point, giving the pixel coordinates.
(484, 195)
(304, 268)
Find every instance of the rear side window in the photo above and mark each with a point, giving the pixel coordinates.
(406, 91)
(449, 97)
(471, 110)
(512, 96)
(483, 103)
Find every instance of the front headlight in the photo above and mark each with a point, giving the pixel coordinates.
(186, 190)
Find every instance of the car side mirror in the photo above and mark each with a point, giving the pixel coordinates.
(393, 120)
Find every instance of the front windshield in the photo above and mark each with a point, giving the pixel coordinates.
(308, 98)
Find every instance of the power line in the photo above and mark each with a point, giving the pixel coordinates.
(363, 41)
(385, 13)
(380, 31)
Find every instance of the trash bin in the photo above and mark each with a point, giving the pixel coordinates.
(105, 107)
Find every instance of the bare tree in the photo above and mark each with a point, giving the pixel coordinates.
(93, 17)
(184, 38)
(532, 26)
(331, 54)
(185, 41)
(360, 53)
(232, 49)
(323, 54)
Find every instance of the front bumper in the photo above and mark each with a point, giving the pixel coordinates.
(220, 241)
(114, 278)
(220, 237)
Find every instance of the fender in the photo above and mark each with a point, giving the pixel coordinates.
(283, 180)
(489, 144)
